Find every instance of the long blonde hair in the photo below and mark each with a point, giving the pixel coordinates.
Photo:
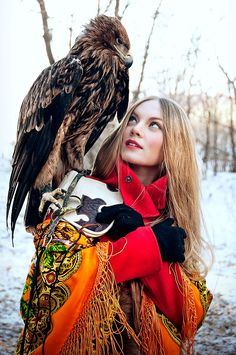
(180, 165)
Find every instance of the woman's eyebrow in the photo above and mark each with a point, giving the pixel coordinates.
(156, 118)
(134, 113)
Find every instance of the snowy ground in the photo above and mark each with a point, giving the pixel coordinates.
(217, 335)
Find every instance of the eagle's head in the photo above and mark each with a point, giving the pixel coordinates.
(106, 33)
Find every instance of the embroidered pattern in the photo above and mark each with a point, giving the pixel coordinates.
(44, 291)
(172, 330)
(205, 296)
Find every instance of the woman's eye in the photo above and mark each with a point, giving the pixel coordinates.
(155, 124)
(132, 119)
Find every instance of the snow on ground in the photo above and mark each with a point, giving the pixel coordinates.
(219, 208)
(218, 333)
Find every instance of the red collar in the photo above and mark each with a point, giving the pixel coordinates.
(147, 200)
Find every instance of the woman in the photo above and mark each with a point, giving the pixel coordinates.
(141, 288)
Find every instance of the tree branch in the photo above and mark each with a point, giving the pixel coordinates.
(117, 8)
(70, 37)
(108, 6)
(99, 8)
(146, 52)
(47, 36)
(125, 8)
(231, 82)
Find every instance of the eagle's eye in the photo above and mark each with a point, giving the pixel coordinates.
(118, 40)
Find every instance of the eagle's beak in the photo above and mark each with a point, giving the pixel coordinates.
(126, 58)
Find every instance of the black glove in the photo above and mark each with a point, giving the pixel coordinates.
(170, 240)
(126, 220)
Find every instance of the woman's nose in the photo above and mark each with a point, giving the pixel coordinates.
(137, 130)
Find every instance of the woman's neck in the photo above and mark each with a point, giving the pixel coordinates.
(146, 174)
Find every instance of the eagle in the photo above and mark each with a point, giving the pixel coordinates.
(65, 111)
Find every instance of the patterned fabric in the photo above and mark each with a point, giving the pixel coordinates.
(71, 304)
(158, 335)
(70, 301)
(172, 330)
(45, 290)
(205, 296)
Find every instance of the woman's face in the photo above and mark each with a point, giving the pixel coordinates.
(142, 143)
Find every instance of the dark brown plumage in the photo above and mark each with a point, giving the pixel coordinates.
(66, 110)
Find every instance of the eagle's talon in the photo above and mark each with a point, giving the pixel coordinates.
(52, 197)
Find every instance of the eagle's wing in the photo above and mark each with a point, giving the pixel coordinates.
(41, 115)
(124, 93)
(108, 115)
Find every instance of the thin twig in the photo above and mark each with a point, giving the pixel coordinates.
(108, 6)
(146, 52)
(231, 82)
(47, 35)
(99, 8)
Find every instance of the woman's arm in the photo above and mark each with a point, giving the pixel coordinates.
(138, 256)
(135, 256)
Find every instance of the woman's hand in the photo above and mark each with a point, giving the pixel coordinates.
(125, 218)
(170, 240)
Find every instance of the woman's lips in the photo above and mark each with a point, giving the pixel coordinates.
(132, 143)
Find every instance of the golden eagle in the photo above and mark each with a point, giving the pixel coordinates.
(65, 111)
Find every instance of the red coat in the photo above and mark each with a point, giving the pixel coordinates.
(138, 255)
(140, 258)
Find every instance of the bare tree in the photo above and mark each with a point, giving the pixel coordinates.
(117, 11)
(232, 134)
(70, 37)
(231, 82)
(47, 35)
(108, 6)
(192, 57)
(117, 8)
(181, 89)
(71, 31)
(136, 93)
(208, 118)
(215, 142)
(217, 138)
(99, 8)
(232, 102)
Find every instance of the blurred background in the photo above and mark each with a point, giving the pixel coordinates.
(182, 49)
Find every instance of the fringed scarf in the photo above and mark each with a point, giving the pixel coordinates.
(73, 308)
